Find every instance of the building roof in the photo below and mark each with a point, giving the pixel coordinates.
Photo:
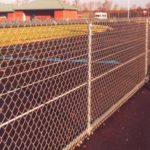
(6, 8)
(45, 5)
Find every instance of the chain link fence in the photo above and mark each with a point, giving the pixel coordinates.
(148, 41)
(60, 81)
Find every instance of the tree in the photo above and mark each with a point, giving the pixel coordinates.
(116, 7)
(139, 8)
(76, 2)
(134, 6)
(148, 5)
(107, 5)
(99, 6)
(92, 6)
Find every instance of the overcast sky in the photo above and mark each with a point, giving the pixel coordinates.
(122, 3)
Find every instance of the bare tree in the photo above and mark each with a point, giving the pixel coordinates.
(64, 1)
(116, 7)
(107, 5)
(148, 5)
(77, 4)
(139, 8)
(134, 6)
(84, 6)
(92, 5)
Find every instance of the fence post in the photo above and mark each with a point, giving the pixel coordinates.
(146, 49)
(89, 74)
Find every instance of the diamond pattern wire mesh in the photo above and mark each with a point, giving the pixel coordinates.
(44, 78)
(43, 85)
(149, 42)
(117, 65)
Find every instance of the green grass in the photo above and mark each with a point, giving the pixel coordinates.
(11, 36)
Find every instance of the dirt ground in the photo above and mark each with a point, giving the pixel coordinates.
(127, 129)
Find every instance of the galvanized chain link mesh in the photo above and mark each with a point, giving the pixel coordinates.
(48, 95)
(118, 63)
(149, 43)
(43, 85)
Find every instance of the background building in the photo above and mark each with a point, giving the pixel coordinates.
(5, 10)
(39, 10)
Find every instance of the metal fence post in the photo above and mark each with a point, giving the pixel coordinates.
(146, 49)
(89, 74)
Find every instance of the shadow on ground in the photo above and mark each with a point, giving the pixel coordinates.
(127, 129)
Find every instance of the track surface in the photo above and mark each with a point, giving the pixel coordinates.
(128, 129)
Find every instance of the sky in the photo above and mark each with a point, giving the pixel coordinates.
(122, 3)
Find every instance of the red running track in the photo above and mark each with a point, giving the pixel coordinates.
(127, 129)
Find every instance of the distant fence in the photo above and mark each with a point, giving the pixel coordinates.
(8, 24)
(58, 83)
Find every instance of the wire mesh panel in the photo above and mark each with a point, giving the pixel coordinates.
(148, 40)
(58, 78)
(118, 63)
(43, 85)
